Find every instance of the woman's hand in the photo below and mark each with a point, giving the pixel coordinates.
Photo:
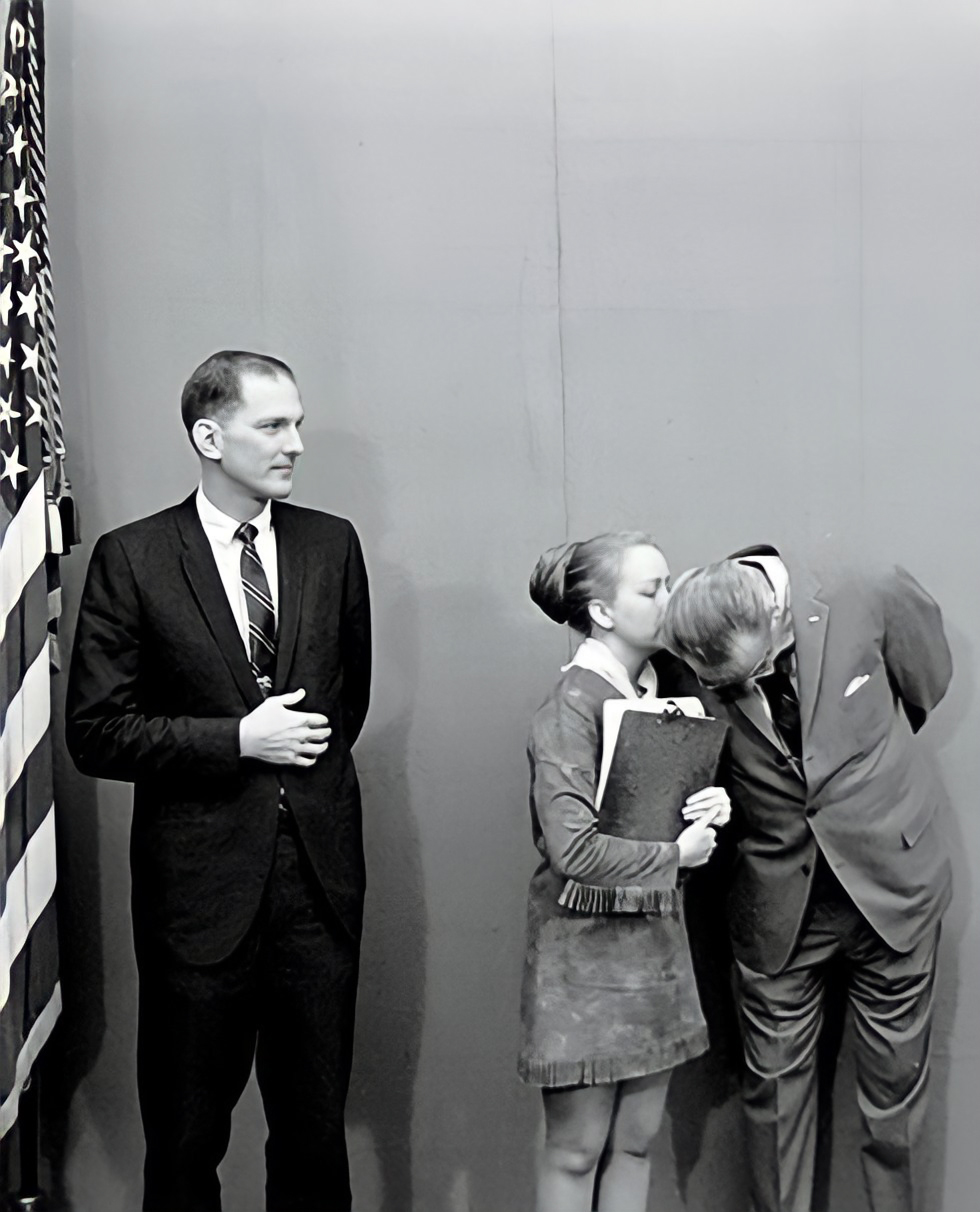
(697, 843)
(710, 804)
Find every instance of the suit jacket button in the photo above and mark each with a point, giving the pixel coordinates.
(806, 868)
(782, 759)
(811, 811)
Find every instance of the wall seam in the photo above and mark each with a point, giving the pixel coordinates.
(558, 281)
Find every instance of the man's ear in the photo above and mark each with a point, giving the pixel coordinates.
(777, 619)
(600, 615)
(207, 438)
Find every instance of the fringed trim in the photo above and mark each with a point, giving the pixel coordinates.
(590, 898)
(603, 1070)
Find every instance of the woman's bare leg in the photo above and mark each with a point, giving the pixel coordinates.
(576, 1128)
(625, 1183)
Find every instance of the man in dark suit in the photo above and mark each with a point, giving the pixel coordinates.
(222, 665)
(840, 858)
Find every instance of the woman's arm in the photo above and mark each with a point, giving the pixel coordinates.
(564, 746)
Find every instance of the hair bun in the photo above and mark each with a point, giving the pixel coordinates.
(547, 584)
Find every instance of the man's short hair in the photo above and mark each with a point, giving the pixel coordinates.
(215, 389)
(709, 606)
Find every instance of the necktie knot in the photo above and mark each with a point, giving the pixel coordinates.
(247, 533)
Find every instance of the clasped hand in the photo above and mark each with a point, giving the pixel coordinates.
(706, 810)
(276, 734)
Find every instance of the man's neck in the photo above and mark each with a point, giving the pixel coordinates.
(229, 499)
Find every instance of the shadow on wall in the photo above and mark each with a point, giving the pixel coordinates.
(391, 995)
(937, 736)
(476, 1123)
(78, 1040)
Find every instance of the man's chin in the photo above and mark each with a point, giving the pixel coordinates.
(278, 487)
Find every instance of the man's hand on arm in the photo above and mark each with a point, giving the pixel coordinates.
(276, 734)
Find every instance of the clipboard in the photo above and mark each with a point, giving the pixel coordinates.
(655, 753)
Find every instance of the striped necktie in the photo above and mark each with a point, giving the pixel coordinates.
(261, 612)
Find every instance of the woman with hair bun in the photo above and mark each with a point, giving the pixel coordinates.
(609, 1003)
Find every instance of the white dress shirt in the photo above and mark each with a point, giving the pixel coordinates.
(220, 530)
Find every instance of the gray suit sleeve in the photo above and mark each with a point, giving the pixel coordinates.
(916, 653)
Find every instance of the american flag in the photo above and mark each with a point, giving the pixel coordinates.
(36, 526)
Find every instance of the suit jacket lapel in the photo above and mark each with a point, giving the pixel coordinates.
(291, 559)
(810, 620)
(208, 592)
(751, 709)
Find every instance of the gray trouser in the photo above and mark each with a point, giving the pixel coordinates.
(890, 995)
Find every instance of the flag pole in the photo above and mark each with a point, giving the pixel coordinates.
(30, 1196)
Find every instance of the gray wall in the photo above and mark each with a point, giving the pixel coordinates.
(542, 269)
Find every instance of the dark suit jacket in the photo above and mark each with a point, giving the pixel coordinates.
(868, 800)
(159, 682)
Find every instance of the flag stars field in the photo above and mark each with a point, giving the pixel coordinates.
(28, 304)
(18, 143)
(12, 467)
(26, 251)
(22, 199)
(8, 414)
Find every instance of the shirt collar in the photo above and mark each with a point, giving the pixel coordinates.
(221, 526)
(594, 655)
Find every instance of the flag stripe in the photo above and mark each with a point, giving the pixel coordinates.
(38, 1037)
(26, 807)
(26, 721)
(34, 995)
(29, 888)
(32, 978)
(23, 549)
(26, 634)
